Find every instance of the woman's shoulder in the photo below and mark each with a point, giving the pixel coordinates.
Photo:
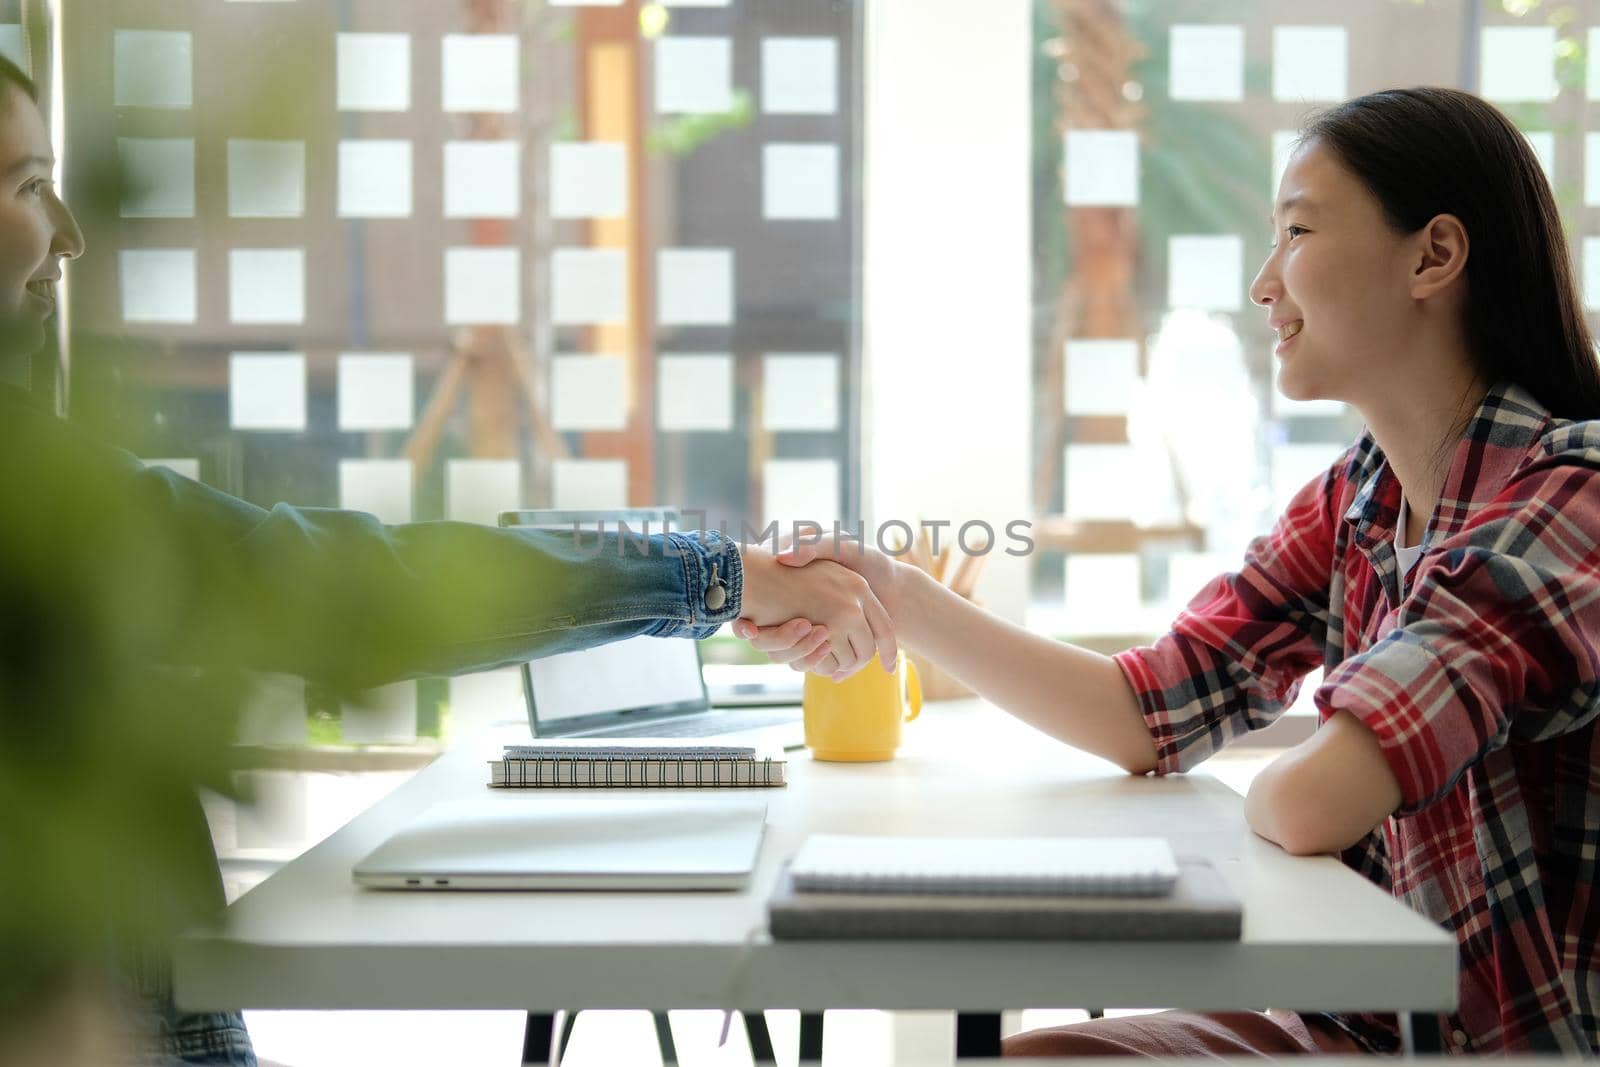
(1572, 443)
(1563, 465)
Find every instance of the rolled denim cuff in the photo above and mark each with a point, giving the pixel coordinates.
(710, 561)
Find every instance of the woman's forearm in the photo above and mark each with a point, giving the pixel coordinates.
(1071, 693)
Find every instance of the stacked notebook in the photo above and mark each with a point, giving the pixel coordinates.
(619, 766)
(1103, 888)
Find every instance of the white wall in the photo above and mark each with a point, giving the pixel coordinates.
(946, 289)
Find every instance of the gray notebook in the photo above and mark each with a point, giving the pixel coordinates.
(1201, 907)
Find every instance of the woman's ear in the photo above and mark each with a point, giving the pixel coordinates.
(1441, 256)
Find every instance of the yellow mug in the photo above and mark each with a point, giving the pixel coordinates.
(858, 720)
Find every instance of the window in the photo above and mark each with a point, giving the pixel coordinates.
(1161, 444)
(440, 259)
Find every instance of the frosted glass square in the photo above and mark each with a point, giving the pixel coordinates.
(1518, 63)
(480, 72)
(1591, 168)
(267, 391)
(375, 391)
(1283, 146)
(589, 392)
(189, 468)
(485, 699)
(1594, 63)
(1102, 594)
(12, 45)
(374, 71)
(266, 179)
(588, 180)
(799, 75)
(694, 75)
(1295, 465)
(1101, 376)
(800, 392)
(1310, 63)
(267, 285)
(799, 490)
(696, 287)
(482, 179)
(589, 483)
(1190, 572)
(694, 392)
(277, 819)
(588, 286)
(482, 286)
(1205, 272)
(374, 179)
(1101, 167)
(157, 177)
(694, 3)
(1098, 480)
(380, 487)
(1591, 273)
(800, 181)
(152, 68)
(158, 285)
(1543, 143)
(386, 716)
(478, 490)
(585, 3)
(1207, 62)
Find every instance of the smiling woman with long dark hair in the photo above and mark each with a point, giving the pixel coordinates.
(1444, 573)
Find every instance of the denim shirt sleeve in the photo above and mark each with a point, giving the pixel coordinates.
(337, 596)
(448, 597)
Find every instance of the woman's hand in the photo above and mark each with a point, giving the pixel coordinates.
(819, 614)
(795, 642)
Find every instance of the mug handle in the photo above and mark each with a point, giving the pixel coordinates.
(914, 684)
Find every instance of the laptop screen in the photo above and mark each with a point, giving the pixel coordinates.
(636, 679)
(640, 673)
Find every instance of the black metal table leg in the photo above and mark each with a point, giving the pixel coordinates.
(977, 1035)
(669, 1049)
(1426, 1037)
(755, 1026)
(539, 1034)
(810, 1036)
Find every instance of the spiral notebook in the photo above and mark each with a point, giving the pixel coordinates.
(623, 765)
(986, 866)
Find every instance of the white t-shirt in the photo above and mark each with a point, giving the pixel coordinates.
(1404, 556)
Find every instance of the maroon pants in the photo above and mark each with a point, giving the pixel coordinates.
(1186, 1033)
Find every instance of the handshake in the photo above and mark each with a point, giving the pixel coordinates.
(827, 607)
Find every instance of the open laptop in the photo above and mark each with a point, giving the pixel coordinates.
(643, 686)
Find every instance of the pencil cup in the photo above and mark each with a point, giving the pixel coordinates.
(858, 720)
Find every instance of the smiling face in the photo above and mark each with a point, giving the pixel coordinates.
(36, 229)
(1336, 286)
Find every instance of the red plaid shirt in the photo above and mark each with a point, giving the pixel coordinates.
(1479, 681)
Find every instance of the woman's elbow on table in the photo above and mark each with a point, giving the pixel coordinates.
(1325, 794)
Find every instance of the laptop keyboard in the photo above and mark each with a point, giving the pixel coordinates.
(709, 725)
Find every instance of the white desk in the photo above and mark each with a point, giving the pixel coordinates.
(1315, 934)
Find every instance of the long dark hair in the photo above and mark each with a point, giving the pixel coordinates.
(1430, 151)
